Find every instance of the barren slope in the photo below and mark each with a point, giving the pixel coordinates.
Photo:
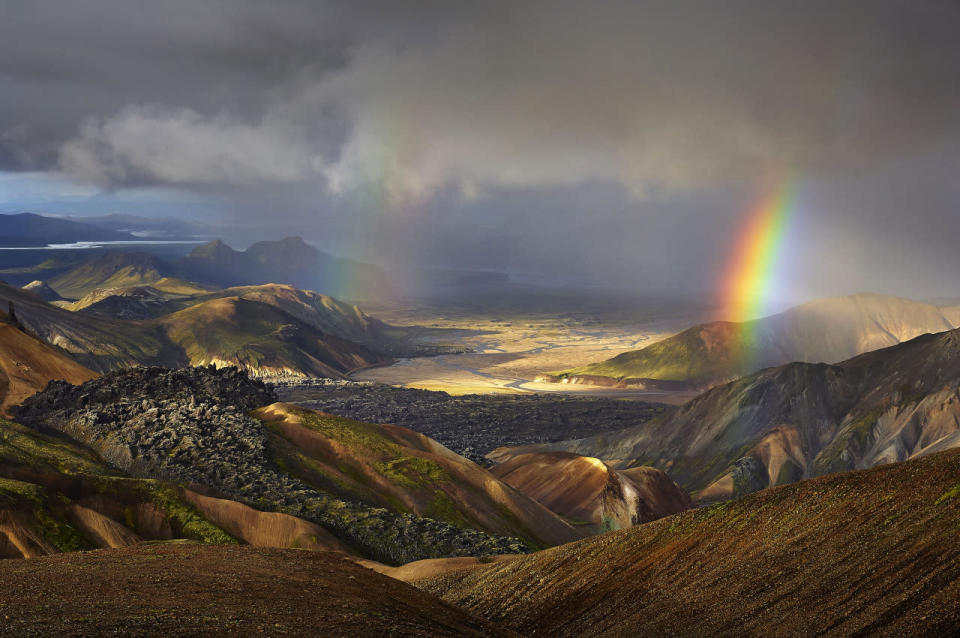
(390, 466)
(873, 552)
(190, 590)
(586, 490)
(27, 364)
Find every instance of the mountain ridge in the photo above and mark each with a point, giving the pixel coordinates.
(796, 420)
(824, 330)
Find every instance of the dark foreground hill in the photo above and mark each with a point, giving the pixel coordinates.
(190, 590)
(866, 553)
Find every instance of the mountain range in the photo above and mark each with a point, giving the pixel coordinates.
(825, 330)
(257, 333)
(29, 229)
(796, 421)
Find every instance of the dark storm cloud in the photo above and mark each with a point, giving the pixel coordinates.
(639, 120)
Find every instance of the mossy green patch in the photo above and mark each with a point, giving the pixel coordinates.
(953, 492)
(413, 472)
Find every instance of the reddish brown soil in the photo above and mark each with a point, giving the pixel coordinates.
(27, 364)
(875, 552)
(191, 590)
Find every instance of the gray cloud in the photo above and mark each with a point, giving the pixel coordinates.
(512, 131)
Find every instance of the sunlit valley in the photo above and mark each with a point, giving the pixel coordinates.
(521, 319)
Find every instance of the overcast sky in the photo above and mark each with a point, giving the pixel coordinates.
(602, 141)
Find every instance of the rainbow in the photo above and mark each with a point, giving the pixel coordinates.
(752, 275)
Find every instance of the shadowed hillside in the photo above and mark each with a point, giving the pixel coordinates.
(863, 553)
(187, 590)
(587, 491)
(27, 364)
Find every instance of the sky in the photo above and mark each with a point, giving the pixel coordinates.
(622, 143)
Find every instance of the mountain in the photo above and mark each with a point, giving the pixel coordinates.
(288, 261)
(216, 265)
(27, 364)
(826, 330)
(262, 340)
(386, 493)
(131, 302)
(322, 312)
(110, 270)
(29, 229)
(99, 344)
(162, 297)
(224, 330)
(589, 492)
(863, 553)
(391, 466)
(42, 290)
(798, 420)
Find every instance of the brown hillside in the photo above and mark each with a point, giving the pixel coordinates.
(190, 590)
(27, 364)
(872, 552)
(393, 467)
(586, 490)
(263, 529)
(796, 421)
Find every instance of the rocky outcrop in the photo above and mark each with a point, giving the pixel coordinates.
(190, 426)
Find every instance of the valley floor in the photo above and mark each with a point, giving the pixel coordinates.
(513, 344)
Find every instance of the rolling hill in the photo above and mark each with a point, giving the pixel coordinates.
(391, 466)
(797, 420)
(99, 344)
(585, 490)
(825, 330)
(110, 270)
(872, 552)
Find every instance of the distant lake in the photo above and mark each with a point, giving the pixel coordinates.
(86, 245)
